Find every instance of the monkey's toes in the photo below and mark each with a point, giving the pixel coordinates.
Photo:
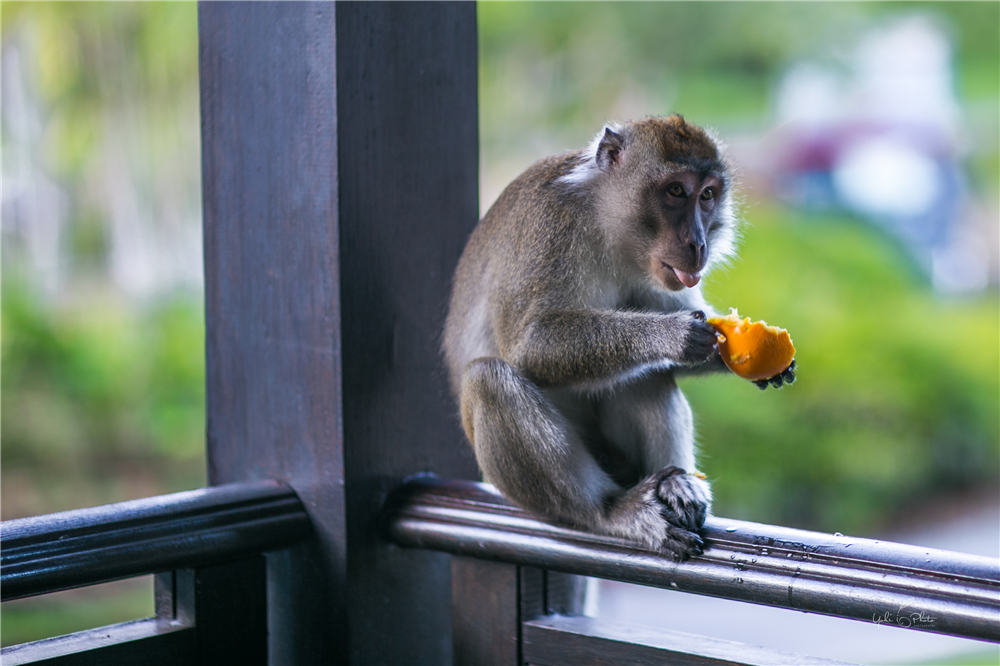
(684, 504)
(682, 544)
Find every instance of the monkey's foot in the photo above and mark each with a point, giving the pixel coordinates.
(684, 503)
(786, 377)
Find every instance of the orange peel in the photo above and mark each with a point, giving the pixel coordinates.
(752, 350)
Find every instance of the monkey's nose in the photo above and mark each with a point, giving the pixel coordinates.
(698, 251)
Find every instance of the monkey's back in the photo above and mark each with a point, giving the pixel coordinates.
(521, 254)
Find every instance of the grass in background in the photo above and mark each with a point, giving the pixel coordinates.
(66, 612)
(101, 403)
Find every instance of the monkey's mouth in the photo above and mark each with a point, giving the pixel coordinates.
(672, 276)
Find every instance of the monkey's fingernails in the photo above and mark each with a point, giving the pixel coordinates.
(776, 381)
(761, 383)
(789, 376)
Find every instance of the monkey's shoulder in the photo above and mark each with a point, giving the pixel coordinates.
(540, 186)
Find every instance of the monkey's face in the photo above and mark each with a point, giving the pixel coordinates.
(681, 213)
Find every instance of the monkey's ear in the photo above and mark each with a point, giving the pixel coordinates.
(609, 149)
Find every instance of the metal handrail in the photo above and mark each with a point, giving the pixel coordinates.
(862, 579)
(71, 549)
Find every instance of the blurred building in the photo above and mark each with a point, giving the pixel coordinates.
(880, 137)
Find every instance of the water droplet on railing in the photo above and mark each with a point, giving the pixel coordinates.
(731, 529)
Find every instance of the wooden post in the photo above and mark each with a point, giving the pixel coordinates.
(340, 176)
(409, 159)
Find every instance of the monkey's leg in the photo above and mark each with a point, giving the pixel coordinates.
(530, 452)
(649, 421)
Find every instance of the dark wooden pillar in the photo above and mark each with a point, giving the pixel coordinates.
(406, 86)
(272, 293)
(340, 172)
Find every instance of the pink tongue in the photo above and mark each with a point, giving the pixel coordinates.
(687, 279)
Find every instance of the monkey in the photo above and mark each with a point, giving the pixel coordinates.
(575, 306)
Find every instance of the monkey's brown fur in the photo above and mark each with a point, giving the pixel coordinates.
(575, 303)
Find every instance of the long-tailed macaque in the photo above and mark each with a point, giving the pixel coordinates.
(575, 305)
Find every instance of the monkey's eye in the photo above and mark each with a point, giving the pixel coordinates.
(708, 194)
(675, 190)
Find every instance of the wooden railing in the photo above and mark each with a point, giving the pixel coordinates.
(501, 547)
(205, 547)
(515, 591)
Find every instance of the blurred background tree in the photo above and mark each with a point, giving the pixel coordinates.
(102, 369)
(898, 401)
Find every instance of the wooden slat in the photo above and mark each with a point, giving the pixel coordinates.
(485, 617)
(584, 641)
(231, 613)
(148, 642)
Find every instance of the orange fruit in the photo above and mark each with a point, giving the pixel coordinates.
(753, 350)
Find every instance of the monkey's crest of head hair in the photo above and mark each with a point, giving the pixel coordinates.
(681, 137)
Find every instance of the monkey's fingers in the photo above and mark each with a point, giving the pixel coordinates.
(789, 374)
(779, 380)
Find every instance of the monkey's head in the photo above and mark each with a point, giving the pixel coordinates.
(663, 197)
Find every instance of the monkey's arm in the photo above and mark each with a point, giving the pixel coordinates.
(593, 347)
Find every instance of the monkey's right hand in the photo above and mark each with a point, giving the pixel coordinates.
(697, 337)
(684, 501)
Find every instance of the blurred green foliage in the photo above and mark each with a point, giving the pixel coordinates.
(102, 392)
(34, 618)
(897, 392)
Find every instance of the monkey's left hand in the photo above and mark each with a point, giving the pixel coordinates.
(779, 380)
